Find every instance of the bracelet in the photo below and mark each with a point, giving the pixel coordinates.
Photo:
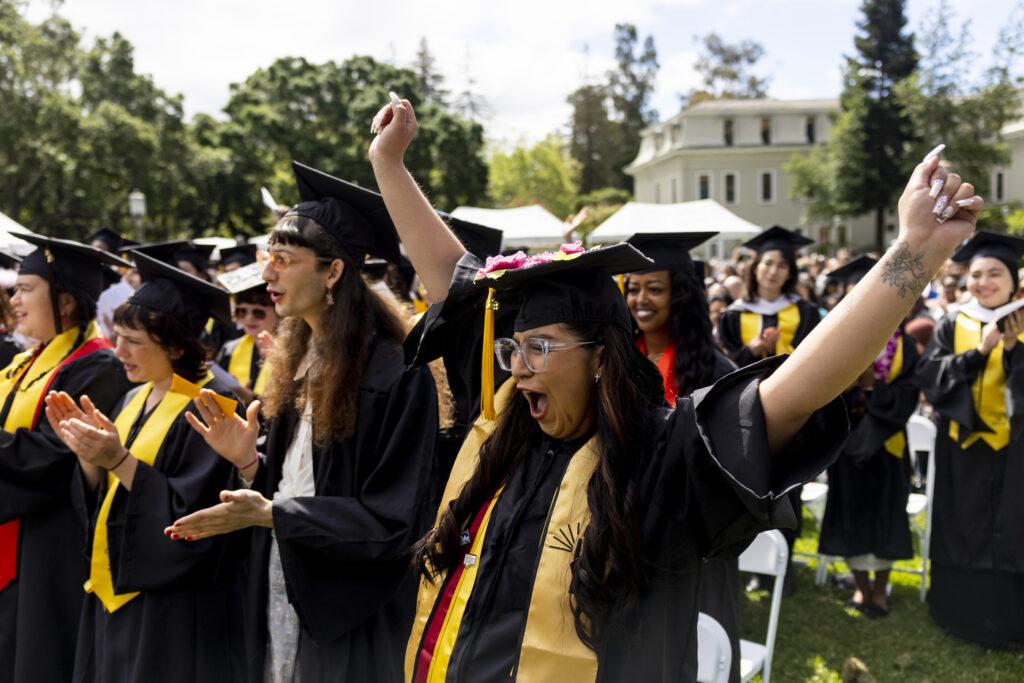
(255, 459)
(123, 458)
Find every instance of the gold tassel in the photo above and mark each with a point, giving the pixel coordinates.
(487, 360)
(622, 283)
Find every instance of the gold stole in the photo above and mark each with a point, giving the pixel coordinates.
(988, 389)
(789, 320)
(551, 649)
(240, 365)
(36, 377)
(896, 443)
(145, 448)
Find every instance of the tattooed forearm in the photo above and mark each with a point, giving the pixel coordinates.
(905, 272)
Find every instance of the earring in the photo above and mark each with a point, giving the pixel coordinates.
(330, 298)
(597, 378)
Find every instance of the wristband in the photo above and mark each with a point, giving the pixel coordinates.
(255, 459)
(123, 458)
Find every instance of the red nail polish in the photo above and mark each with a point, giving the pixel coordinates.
(175, 537)
(188, 538)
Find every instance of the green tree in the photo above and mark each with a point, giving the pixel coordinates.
(544, 173)
(630, 87)
(429, 81)
(725, 71)
(595, 140)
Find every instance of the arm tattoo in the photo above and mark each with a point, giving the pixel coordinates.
(905, 272)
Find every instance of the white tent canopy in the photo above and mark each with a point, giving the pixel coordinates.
(697, 216)
(525, 226)
(9, 242)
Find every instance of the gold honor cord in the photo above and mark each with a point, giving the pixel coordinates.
(487, 359)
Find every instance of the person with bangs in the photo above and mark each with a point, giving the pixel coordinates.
(344, 487)
(244, 358)
(154, 609)
(973, 375)
(567, 545)
(41, 571)
(672, 327)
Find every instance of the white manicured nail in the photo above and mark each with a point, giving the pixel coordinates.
(395, 99)
(936, 187)
(940, 205)
(967, 202)
(935, 152)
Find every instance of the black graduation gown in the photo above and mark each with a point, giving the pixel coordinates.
(345, 552)
(8, 349)
(712, 485)
(224, 359)
(39, 611)
(732, 341)
(977, 544)
(866, 509)
(186, 623)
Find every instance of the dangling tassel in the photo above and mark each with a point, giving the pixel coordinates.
(622, 283)
(487, 359)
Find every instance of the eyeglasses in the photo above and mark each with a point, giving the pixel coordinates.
(257, 312)
(533, 351)
(281, 261)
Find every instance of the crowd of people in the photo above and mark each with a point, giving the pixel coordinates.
(381, 450)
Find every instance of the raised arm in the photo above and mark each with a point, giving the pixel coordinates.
(849, 338)
(431, 246)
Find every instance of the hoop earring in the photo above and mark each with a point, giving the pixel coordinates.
(330, 298)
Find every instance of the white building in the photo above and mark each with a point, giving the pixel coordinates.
(733, 151)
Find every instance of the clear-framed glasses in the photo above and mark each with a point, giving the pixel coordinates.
(281, 261)
(533, 351)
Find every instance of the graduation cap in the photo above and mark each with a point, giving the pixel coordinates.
(478, 240)
(74, 267)
(9, 261)
(670, 251)
(852, 272)
(174, 251)
(243, 279)
(243, 255)
(174, 292)
(1006, 248)
(354, 216)
(115, 241)
(777, 237)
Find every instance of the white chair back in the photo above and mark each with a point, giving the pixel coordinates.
(714, 651)
(921, 433)
(768, 554)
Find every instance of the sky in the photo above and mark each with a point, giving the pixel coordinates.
(525, 56)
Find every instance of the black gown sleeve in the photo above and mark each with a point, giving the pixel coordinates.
(36, 467)
(453, 330)
(186, 476)
(1013, 366)
(731, 339)
(947, 377)
(887, 409)
(736, 486)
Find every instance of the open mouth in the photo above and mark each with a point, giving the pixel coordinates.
(275, 296)
(644, 314)
(538, 404)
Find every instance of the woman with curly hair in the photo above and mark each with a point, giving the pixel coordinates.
(568, 542)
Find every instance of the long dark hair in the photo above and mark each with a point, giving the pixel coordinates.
(690, 331)
(173, 333)
(609, 574)
(788, 287)
(358, 318)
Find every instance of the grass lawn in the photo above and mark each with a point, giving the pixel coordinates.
(818, 634)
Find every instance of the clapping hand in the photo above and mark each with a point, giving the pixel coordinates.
(231, 436)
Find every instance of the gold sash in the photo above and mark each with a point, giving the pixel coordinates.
(988, 389)
(240, 365)
(551, 650)
(145, 448)
(896, 443)
(789, 320)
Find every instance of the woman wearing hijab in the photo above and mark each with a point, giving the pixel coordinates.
(41, 570)
(568, 541)
(973, 375)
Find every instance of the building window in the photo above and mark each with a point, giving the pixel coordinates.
(999, 187)
(766, 131)
(677, 133)
(657, 193)
(812, 133)
(825, 235)
(703, 186)
(675, 196)
(727, 132)
(842, 235)
(766, 186)
(729, 181)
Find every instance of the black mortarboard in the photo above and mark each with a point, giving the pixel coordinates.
(174, 292)
(777, 237)
(1006, 248)
(853, 271)
(173, 251)
(115, 241)
(671, 250)
(479, 240)
(354, 216)
(570, 288)
(9, 261)
(243, 255)
(76, 268)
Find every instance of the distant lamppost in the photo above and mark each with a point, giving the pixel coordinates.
(137, 210)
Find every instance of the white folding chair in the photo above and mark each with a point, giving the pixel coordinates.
(766, 555)
(714, 651)
(921, 434)
(813, 496)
